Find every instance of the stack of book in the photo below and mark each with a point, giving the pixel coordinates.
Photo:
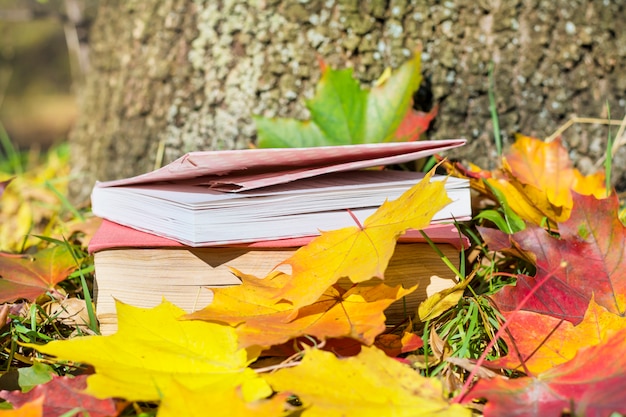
(174, 232)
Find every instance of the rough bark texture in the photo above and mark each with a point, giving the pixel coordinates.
(181, 75)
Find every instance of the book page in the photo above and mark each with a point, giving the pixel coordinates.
(254, 168)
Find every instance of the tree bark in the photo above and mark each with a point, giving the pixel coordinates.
(171, 76)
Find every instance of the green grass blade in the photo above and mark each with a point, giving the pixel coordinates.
(13, 157)
(443, 257)
(494, 111)
(64, 201)
(608, 161)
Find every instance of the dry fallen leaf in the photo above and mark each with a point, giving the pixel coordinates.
(589, 259)
(590, 384)
(62, 395)
(544, 341)
(152, 348)
(361, 252)
(29, 276)
(369, 384)
(260, 321)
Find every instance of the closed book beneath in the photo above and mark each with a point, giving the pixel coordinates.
(140, 269)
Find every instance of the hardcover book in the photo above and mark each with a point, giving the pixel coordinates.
(140, 268)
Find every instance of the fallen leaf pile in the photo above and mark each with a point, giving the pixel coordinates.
(188, 361)
(565, 326)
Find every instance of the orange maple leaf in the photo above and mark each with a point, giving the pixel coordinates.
(537, 179)
(261, 321)
(543, 175)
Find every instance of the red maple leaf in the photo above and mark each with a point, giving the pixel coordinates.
(589, 385)
(414, 124)
(63, 394)
(589, 259)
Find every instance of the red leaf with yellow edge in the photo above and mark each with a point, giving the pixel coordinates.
(61, 395)
(356, 312)
(29, 276)
(361, 252)
(31, 409)
(589, 259)
(544, 342)
(591, 384)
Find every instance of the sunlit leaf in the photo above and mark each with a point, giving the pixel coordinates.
(361, 252)
(589, 259)
(591, 384)
(261, 321)
(369, 384)
(151, 349)
(183, 401)
(544, 342)
(62, 395)
(442, 301)
(29, 276)
(536, 179)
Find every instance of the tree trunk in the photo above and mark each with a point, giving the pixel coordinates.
(170, 76)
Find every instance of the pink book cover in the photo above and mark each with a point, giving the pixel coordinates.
(112, 235)
(247, 169)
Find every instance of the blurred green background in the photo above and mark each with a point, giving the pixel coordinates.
(43, 58)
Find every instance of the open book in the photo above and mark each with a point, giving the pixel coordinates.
(225, 197)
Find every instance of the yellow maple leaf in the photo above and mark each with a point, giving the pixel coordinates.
(440, 302)
(369, 384)
(537, 179)
(152, 348)
(254, 298)
(261, 321)
(545, 342)
(183, 401)
(361, 252)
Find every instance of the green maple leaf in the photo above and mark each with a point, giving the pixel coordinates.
(342, 113)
